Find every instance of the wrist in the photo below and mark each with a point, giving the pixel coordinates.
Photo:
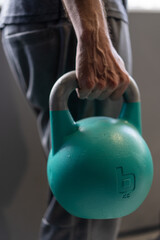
(91, 36)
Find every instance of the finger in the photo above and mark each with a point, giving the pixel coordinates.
(121, 88)
(112, 80)
(105, 94)
(99, 88)
(110, 88)
(83, 93)
(118, 93)
(94, 94)
(86, 83)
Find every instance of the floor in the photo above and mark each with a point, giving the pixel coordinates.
(155, 235)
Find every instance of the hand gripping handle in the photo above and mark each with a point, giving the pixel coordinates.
(67, 83)
(62, 123)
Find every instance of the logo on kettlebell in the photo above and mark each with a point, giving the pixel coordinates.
(126, 182)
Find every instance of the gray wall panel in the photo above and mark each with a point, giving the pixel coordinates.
(145, 38)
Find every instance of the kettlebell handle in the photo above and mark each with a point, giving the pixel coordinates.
(62, 123)
(67, 83)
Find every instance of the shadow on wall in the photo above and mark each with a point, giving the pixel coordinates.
(13, 152)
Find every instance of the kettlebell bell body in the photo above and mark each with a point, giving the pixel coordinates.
(99, 167)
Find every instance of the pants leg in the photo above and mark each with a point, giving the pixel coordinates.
(38, 55)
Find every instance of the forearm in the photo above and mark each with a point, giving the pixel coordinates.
(87, 16)
(99, 70)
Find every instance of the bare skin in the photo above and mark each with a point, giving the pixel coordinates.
(100, 71)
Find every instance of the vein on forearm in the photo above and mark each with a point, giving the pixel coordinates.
(83, 14)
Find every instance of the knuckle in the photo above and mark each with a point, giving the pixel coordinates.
(114, 83)
(90, 84)
(85, 85)
(124, 80)
(101, 85)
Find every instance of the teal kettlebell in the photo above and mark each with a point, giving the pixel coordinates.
(98, 167)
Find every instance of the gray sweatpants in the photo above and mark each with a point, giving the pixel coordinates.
(38, 55)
